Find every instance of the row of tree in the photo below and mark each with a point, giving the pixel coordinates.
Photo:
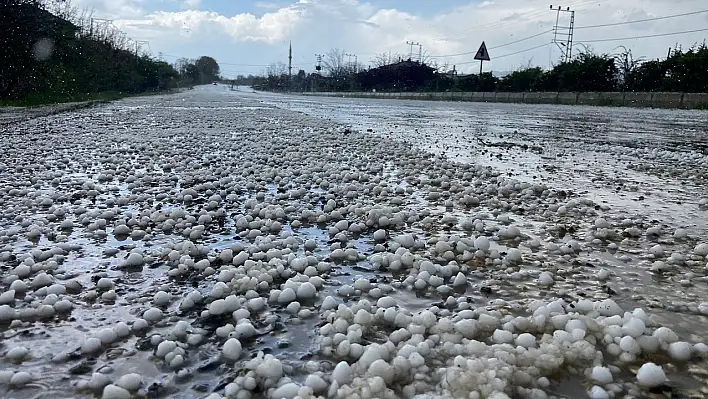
(53, 49)
(682, 71)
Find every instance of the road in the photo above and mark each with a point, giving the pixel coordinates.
(217, 243)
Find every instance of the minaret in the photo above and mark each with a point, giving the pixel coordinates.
(290, 64)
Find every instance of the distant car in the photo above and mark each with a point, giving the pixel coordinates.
(214, 83)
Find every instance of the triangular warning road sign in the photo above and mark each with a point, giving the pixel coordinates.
(482, 53)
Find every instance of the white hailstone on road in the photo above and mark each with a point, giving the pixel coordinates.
(467, 328)
(91, 345)
(601, 375)
(227, 255)
(513, 255)
(21, 378)
(386, 302)
(305, 291)
(232, 349)
(545, 279)
(700, 349)
(161, 298)
(701, 249)
(217, 307)
(6, 376)
(502, 336)
(98, 381)
(597, 392)
(603, 274)
(134, 260)
(131, 382)
(342, 373)
(602, 223)
(680, 234)
(122, 230)
(165, 347)
(7, 313)
(362, 284)
(666, 335)
(634, 327)
(380, 235)
(287, 295)
(680, 351)
(660, 266)
(608, 307)
(657, 251)
(650, 375)
(329, 303)
(703, 308)
(310, 245)
(17, 353)
(526, 340)
(406, 240)
(481, 243)
(153, 315)
(140, 324)
(286, 391)
(316, 382)
(41, 280)
(7, 297)
(459, 279)
(271, 368)
(107, 336)
(105, 283)
(115, 392)
(121, 329)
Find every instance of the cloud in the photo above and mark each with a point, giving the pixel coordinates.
(191, 4)
(364, 28)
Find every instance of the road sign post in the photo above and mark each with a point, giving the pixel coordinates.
(482, 55)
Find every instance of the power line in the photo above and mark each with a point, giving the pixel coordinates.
(509, 54)
(578, 4)
(494, 47)
(644, 37)
(642, 20)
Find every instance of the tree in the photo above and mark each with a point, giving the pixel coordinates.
(208, 69)
(388, 58)
(626, 68)
(334, 64)
(277, 70)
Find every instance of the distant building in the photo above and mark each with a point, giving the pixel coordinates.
(405, 75)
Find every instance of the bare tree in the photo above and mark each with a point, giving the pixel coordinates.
(386, 58)
(444, 68)
(277, 69)
(335, 64)
(626, 66)
(426, 58)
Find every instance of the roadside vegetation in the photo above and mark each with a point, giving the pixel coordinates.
(682, 71)
(54, 52)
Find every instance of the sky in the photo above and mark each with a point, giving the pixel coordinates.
(247, 36)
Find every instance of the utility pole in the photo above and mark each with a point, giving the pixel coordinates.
(563, 36)
(94, 20)
(139, 43)
(349, 61)
(290, 66)
(318, 69)
(410, 52)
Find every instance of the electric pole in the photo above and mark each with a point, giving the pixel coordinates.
(138, 44)
(290, 66)
(563, 36)
(318, 70)
(410, 52)
(101, 20)
(349, 61)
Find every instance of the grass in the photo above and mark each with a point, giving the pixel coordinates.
(39, 99)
